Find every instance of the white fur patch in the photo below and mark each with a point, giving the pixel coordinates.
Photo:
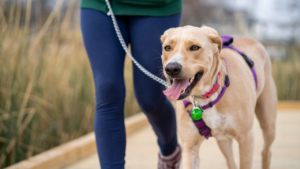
(175, 58)
(218, 123)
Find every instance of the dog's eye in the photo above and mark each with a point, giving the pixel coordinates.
(168, 48)
(194, 48)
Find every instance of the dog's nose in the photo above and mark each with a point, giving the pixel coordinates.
(173, 69)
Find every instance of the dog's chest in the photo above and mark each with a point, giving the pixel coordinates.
(222, 126)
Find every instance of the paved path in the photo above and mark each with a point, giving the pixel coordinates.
(142, 148)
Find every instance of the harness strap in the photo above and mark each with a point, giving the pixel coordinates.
(227, 43)
(203, 129)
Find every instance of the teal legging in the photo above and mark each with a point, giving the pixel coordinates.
(107, 62)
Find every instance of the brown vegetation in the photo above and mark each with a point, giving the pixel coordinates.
(46, 86)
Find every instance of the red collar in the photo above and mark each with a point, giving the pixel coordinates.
(214, 89)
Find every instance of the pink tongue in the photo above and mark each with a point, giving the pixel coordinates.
(177, 86)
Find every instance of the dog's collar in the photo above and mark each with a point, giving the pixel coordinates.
(204, 130)
(213, 90)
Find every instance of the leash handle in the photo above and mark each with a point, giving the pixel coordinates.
(123, 44)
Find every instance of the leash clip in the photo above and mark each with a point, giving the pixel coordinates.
(195, 104)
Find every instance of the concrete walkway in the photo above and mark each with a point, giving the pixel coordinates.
(142, 150)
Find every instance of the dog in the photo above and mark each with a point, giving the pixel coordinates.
(192, 58)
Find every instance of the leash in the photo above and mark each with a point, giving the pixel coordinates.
(123, 44)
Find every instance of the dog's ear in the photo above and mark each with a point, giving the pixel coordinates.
(166, 33)
(209, 30)
(216, 39)
(213, 35)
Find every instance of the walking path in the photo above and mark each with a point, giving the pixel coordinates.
(142, 150)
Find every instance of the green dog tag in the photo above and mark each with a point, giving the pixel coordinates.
(197, 113)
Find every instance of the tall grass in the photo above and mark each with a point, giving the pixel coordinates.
(286, 74)
(46, 86)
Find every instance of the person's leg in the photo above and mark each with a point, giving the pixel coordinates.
(146, 47)
(107, 62)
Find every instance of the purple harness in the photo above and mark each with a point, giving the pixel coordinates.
(227, 41)
(204, 130)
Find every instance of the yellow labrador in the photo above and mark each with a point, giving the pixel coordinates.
(192, 58)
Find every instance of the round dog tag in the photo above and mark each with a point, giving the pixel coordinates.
(197, 113)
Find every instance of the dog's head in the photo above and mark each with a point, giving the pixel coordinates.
(191, 59)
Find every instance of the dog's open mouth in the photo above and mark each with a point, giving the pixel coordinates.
(181, 88)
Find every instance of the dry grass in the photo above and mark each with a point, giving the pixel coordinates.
(286, 74)
(46, 86)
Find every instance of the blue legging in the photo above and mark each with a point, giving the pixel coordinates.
(106, 58)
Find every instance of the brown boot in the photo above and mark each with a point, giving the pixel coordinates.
(172, 163)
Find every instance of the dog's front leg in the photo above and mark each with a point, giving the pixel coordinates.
(226, 148)
(190, 155)
(246, 146)
(190, 138)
